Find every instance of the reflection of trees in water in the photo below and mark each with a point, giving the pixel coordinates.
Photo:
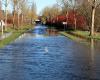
(52, 32)
(92, 51)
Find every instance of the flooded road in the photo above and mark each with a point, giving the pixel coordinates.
(49, 58)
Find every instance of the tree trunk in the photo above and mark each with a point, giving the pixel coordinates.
(66, 20)
(14, 19)
(18, 21)
(75, 23)
(31, 21)
(6, 15)
(2, 29)
(22, 19)
(92, 26)
(6, 21)
(93, 19)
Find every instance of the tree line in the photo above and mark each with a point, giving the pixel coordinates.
(19, 12)
(89, 9)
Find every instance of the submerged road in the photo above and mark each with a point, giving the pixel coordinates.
(49, 58)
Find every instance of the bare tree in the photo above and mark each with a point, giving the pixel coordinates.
(6, 6)
(49, 13)
(18, 13)
(94, 4)
(33, 12)
(85, 10)
(14, 11)
(1, 15)
(19, 2)
(70, 5)
(24, 10)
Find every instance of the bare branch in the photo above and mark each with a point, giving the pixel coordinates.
(98, 5)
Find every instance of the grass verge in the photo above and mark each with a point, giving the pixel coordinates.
(85, 34)
(80, 36)
(70, 36)
(15, 34)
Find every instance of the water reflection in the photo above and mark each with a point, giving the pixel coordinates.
(40, 30)
(52, 32)
(95, 65)
(92, 49)
(92, 43)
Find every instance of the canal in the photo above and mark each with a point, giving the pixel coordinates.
(34, 56)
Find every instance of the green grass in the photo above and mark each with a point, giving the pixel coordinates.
(15, 34)
(81, 36)
(74, 38)
(86, 34)
(83, 33)
(70, 36)
(97, 36)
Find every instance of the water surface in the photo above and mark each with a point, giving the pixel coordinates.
(49, 58)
